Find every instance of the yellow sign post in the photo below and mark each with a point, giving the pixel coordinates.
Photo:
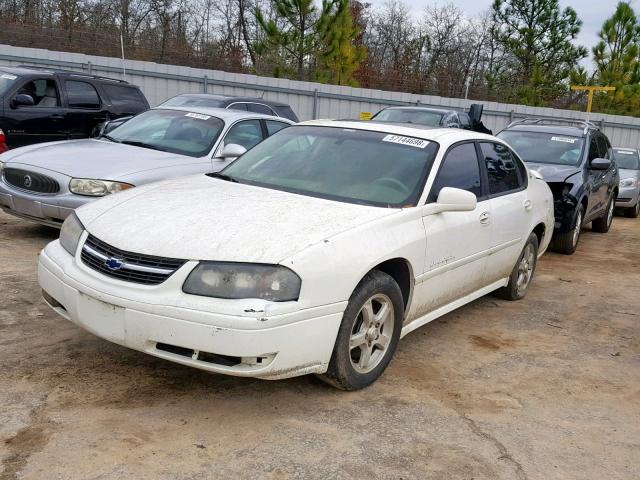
(591, 89)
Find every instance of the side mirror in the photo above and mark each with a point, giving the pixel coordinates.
(600, 164)
(233, 150)
(454, 200)
(22, 100)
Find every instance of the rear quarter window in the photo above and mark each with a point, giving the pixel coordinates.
(122, 96)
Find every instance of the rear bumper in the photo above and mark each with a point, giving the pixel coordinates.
(627, 197)
(281, 346)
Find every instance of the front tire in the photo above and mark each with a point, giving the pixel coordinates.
(603, 224)
(369, 333)
(633, 212)
(568, 242)
(522, 273)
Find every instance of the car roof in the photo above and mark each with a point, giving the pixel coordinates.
(225, 114)
(232, 99)
(23, 70)
(558, 129)
(436, 134)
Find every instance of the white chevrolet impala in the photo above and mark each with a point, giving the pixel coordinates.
(314, 252)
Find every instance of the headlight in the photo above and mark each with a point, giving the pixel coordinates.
(243, 280)
(70, 233)
(96, 188)
(628, 182)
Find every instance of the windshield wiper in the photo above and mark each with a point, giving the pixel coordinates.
(110, 138)
(141, 144)
(222, 176)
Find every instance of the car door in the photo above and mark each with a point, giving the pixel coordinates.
(457, 242)
(41, 122)
(595, 182)
(511, 209)
(606, 181)
(85, 108)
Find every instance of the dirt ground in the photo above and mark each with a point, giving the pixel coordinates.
(545, 388)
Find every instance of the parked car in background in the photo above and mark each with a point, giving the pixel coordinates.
(43, 105)
(575, 159)
(434, 117)
(629, 193)
(312, 253)
(255, 105)
(46, 182)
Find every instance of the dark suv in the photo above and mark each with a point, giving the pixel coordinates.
(575, 159)
(42, 105)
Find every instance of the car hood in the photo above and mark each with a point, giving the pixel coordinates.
(553, 173)
(203, 218)
(93, 158)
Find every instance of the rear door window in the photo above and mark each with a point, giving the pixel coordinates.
(274, 126)
(82, 95)
(238, 106)
(502, 169)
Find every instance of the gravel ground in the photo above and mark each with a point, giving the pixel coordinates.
(545, 388)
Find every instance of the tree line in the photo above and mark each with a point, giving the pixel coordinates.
(519, 51)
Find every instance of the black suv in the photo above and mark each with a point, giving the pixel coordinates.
(42, 105)
(255, 105)
(575, 159)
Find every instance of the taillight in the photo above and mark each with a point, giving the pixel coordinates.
(3, 142)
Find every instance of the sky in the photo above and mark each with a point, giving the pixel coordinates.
(592, 12)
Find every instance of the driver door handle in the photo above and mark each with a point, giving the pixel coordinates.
(527, 205)
(485, 218)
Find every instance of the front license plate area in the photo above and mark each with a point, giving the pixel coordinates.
(101, 318)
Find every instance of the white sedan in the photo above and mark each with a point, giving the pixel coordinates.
(314, 252)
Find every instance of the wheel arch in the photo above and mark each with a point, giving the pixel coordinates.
(540, 230)
(401, 271)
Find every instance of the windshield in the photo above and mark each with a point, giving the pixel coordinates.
(626, 158)
(357, 166)
(174, 131)
(189, 101)
(409, 115)
(6, 81)
(540, 147)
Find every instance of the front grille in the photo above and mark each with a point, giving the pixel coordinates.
(127, 266)
(30, 181)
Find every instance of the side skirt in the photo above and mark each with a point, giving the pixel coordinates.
(418, 322)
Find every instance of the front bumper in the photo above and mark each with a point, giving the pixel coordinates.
(45, 209)
(628, 197)
(146, 319)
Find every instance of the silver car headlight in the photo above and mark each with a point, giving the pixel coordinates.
(70, 233)
(243, 280)
(628, 182)
(96, 188)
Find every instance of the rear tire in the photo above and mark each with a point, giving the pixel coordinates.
(633, 212)
(603, 223)
(369, 333)
(522, 272)
(568, 242)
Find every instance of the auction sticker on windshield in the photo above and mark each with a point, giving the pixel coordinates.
(199, 116)
(564, 139)
(409, 141)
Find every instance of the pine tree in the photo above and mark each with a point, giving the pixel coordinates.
(538, 39)
(339, 56)
(616, 54)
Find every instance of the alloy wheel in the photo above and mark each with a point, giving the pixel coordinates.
(525, 269)
(576, 229)
(371, 333)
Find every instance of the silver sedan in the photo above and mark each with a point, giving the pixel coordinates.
(629, 188)
(46, 182)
